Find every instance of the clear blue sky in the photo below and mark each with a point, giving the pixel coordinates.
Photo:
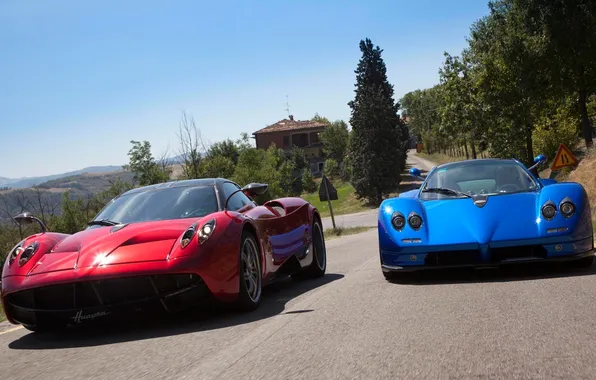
(80, 79)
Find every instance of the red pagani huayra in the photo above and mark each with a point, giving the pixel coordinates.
(170, 245)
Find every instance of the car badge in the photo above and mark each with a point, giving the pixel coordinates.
(480, 201)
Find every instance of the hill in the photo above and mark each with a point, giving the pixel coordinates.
(25, 182)
(46, 198)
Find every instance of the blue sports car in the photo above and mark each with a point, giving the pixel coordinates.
(484, 213)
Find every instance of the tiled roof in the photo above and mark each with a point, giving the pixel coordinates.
(291, 125)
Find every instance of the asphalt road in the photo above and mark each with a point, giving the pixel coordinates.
(525, 323)
(369, 218)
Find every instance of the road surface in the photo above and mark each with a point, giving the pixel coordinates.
(369, 218)
(351, 324)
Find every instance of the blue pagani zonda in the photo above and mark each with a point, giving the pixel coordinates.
(484, 213)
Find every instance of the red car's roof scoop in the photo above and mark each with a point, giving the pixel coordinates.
(28, 218)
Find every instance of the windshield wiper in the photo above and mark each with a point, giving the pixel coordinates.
(445, 191)
(102, 222)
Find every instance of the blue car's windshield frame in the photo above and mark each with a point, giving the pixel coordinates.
(159, 204)
(481, 177)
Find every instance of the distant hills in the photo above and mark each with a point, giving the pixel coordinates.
(43, 195)
(26, 182)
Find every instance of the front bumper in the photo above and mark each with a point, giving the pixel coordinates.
(489, 255)
(84, 301)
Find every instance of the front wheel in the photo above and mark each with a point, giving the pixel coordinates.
(250, 276)
(318, 266)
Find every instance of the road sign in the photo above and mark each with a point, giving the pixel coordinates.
(327, 188)
(563, 158)
(327, 192)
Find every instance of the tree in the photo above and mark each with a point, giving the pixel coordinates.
(226, 148)
(378, 141)
(335, 140)
(141, 162)
(217, 166)
(191, 144)
(567, 32)
(510, 76)
(423, 107)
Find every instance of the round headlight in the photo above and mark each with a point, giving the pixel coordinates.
(398, 221)
(549, 211)
(415, 221)
(567, 209)
(28, 253)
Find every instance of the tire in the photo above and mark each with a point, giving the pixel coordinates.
(584, 263)
(318, 266)
(250, 274)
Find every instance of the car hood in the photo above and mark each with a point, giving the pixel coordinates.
(502, 217)
(136, 242)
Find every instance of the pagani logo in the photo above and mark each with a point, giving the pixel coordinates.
(83, 317)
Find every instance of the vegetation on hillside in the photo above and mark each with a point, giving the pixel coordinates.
(524, 84)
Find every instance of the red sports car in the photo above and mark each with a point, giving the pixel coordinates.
(170, 245)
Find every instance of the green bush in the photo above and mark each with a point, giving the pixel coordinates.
(308, 182)
(331, 168)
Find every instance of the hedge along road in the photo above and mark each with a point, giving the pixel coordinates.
(369, 218)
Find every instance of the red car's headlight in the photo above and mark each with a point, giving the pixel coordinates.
(206, 231)
(203, 233)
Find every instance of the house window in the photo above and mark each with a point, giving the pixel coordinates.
(286, 142)
(300, 140)
(314, 138)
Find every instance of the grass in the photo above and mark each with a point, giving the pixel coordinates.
(330, 233)
(347, 203)
(2, 316)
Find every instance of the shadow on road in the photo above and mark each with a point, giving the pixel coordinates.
(508, 273)
(275, 296)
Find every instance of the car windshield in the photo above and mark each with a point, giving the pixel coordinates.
(161, 204)
(477, 178)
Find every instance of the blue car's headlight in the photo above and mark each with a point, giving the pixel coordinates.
(549, 210)
(567, 207)
(398, 221)
(414, 220)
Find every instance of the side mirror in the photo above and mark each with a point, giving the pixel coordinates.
(415, 172)
(538, 160)
(254, 189)
(28, 218)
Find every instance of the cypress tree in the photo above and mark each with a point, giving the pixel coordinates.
(379, 137)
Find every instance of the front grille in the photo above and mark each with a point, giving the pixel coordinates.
(103, 293)
(448, 258)
(518, 252)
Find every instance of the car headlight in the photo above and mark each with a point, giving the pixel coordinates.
(414, 220)
(549, 210)
(567, 207)
(28, 253)
(398, 221)
(206, 231)
(188, 235)
(15, 252)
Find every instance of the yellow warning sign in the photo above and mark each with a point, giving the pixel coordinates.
(563, 158)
